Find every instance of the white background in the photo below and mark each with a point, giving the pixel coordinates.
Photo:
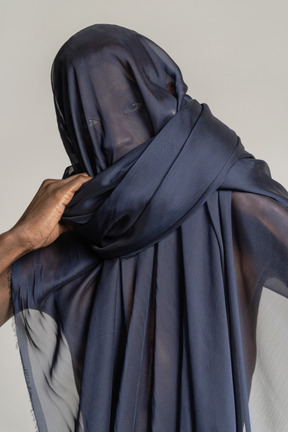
(233, 55)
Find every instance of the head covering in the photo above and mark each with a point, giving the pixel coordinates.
(145, 317)
(111, 88)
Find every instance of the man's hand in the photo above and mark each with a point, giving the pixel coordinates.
(38, 227)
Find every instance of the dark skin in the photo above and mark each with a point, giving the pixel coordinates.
(38, 227)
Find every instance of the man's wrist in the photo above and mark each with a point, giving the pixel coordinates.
(12, 247)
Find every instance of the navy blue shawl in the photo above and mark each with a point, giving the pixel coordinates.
(144, 317)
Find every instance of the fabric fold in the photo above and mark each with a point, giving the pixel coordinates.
(151, 189)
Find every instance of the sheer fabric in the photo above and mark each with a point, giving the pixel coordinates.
(145, 317)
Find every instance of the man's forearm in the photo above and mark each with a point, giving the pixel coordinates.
(11, 248)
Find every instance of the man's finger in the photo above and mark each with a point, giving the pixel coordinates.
(77, 181)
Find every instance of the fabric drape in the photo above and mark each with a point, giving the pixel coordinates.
(145, 316)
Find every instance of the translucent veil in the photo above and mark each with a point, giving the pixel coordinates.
(151, 314)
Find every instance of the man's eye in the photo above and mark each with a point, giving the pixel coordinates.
(132, 107)
(90, 123)
(93, 122)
